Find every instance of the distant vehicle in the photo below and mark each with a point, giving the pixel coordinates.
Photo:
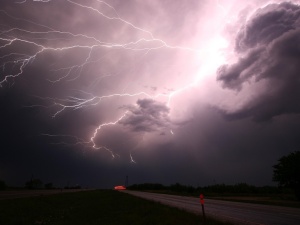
(121, 187)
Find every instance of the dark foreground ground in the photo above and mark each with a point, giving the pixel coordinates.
(105, 207)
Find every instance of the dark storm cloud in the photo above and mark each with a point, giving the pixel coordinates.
(25, 114)
(147, 115)
(201, 148)
(269, 51)
(268, 24)
(233, 76)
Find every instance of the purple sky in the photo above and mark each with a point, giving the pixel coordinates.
(195, 92)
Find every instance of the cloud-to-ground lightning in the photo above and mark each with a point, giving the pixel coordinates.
(41, 41)
(131, 159)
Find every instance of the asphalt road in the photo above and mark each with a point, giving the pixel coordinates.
(235, 212)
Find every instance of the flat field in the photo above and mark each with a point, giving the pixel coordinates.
(102, 207)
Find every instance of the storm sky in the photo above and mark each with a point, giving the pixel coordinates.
(195, 92)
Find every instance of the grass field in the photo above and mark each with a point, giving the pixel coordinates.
(101, 207)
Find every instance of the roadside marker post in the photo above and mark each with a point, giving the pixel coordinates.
(202, 205)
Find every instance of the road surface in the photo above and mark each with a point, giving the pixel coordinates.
(235, 212)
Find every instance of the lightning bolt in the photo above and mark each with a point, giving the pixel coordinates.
(131, 159)
(104, 125)
(15, 63)
(24, 1)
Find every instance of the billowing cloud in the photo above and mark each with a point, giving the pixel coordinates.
(147, 115)
(90, 87)
(268, 52)
(268, 24)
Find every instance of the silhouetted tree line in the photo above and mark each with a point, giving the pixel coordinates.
(286, 173)
(34, 184)
(73, 187)
(241, 188)
(2, 185)
(38, 184)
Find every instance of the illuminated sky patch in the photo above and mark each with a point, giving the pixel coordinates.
(166, 91)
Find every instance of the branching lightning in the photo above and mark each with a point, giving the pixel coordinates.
(15, 63)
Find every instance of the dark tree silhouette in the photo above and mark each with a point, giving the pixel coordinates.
(49, 186)
(287, 172)
(2, 185)
(34, 184)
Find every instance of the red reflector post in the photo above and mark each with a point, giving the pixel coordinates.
(202, 205)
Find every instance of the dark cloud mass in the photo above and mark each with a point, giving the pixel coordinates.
(93, 91)
(148, 115)
(268, 50)
(267, 24)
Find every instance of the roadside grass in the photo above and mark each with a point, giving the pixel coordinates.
(101, 207)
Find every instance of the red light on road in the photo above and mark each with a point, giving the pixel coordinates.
(121, 187)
